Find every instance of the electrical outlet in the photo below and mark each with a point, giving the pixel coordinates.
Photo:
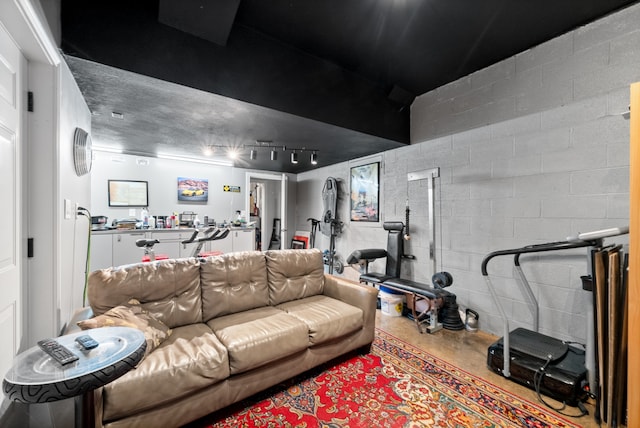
(68, 209)
(76, 210)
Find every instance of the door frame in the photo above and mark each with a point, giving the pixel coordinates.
(283, 179)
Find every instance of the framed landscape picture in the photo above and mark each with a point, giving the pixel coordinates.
(365, 192)
(128, 193)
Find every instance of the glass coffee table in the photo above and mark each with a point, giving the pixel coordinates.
(37, 378)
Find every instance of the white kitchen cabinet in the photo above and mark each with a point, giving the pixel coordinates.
(224, 245)
(117, 248)
(125, 250)
(244, 239)
(169, 244)
(101, 252)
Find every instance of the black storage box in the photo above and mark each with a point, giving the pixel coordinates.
(564, 378)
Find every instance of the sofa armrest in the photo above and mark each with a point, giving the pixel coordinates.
(355, 294)
(79, 315)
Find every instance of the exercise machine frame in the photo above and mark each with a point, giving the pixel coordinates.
(591, 240)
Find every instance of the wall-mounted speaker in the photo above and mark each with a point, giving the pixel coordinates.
(82, 153)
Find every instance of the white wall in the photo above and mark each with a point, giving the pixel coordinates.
(532, 149)
(56, 271)
(74, 232)
(162, 175)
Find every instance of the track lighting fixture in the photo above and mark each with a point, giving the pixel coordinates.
(253, 149)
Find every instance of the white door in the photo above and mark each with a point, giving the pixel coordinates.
(12, 79)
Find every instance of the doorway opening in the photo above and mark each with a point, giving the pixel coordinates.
(266, 206)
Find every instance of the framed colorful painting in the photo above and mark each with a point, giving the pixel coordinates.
(193, 189)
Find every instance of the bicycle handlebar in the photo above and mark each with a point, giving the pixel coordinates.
(218, 234)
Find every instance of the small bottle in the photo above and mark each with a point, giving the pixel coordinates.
(145, 218)
(152, 222)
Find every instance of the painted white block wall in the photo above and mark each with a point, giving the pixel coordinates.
(532, 149)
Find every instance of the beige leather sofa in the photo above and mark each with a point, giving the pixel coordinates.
(241, 322)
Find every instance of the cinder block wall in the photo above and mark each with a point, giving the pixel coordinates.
(532, 149)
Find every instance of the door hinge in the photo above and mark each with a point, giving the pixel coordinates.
(30, 101)
(29, 247)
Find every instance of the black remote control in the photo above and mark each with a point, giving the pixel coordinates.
(87, 342)
(57, 351)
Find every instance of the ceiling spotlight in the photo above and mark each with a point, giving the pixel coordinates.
(207, 151)
(294, 157)
(314, 158)
(232, 154)
(274, 155)
(253, 154)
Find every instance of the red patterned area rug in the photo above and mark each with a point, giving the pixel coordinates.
(396, 385)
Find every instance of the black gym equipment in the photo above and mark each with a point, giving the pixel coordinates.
(208, 234)
(393, 253)
(329, 225)
(432, 306)
(274, 242)
(546, 364)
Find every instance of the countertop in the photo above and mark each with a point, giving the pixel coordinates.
(176, 229)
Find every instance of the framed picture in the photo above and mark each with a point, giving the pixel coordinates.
(193, 189)
(128, 193)
(365, 192)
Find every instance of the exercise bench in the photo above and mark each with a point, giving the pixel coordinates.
(429, 305)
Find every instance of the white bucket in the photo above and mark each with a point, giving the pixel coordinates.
(391, 304)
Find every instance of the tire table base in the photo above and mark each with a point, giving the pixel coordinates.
(38, 378)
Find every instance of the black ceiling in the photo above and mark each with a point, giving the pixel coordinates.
(353, 65)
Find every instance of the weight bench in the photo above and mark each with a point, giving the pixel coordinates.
(433, 306)
(393, 253)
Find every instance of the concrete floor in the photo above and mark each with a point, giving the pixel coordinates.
(468, 351)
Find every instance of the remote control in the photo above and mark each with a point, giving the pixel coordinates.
(57, 351)
(87, 342)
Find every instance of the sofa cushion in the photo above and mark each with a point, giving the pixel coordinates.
(155, 331)
(192, 358)
(259, 336)
(233, 282)
(294, 274)
(168, 289)
(325, 317)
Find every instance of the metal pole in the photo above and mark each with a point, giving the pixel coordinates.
(429, 175)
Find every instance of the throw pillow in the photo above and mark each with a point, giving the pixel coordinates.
(155, 331)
